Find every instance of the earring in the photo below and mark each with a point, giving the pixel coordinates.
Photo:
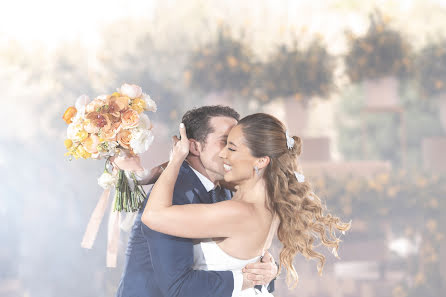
(257, 170)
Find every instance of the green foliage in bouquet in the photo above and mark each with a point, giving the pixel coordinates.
(295, 72)
(381, 52)
(128, 199)
(411, 202)
(222, 65)
(431, 69)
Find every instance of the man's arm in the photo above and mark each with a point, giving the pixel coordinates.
(172, 260)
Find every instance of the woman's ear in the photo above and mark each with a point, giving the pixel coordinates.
(194, 147)
(263, 162)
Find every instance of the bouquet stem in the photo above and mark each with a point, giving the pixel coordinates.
(127, 199)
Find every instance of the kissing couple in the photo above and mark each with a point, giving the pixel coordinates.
(229, 187)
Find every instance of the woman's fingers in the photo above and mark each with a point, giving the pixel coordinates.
(183, 134)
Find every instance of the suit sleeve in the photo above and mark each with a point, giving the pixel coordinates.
(173, 259)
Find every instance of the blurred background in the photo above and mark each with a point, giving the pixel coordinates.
(362, 82)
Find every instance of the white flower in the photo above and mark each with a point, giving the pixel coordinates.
(141, 140)
(80, 105)
(73, 130)
(150, 104)
(107, 149)
(107, 180)
(132, 91)
(144, 122)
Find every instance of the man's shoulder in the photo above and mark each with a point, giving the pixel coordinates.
(186, 177)
(188, 187)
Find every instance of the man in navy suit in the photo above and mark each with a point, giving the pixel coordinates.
(160, 265)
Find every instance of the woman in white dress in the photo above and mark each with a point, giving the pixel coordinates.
(271, 196)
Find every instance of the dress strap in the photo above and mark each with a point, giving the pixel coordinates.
(272, 231)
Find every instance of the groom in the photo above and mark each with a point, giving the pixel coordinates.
(160, 265)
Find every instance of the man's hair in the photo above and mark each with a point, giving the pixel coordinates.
(197, 120)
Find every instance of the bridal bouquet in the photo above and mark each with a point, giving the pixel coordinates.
(112, 127)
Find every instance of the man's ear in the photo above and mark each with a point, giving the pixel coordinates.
(194, 147)
(263, 162)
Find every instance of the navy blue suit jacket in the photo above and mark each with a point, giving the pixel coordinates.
(160, 265)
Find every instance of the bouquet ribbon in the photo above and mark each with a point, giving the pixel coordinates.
(114, 220)
(113, 229)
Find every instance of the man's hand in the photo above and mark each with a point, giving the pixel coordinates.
(153, 175)
(260, 273)
(127, 162)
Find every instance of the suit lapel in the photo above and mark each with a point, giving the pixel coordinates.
(198, 188)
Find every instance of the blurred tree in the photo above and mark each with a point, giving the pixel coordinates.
(382, 130)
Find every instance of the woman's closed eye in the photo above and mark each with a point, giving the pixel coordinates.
(231, 149)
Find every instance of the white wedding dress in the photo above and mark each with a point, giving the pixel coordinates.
(209, 256)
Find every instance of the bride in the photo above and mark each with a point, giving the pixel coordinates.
(271, 196)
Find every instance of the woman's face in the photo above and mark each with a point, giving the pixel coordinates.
(238, 161)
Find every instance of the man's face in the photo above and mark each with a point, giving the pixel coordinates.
(213, 144)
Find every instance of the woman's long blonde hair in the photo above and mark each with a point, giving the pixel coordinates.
(302, 218)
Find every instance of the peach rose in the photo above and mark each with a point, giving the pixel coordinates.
(94, 105)
(91, 144)
(69, 114)
(123, 138)
(130, 118)
(97, 119)
(110, 134)
(91, 128)
(117, 105)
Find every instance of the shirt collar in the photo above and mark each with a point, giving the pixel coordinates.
(208, 185)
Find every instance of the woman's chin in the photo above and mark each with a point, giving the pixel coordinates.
(228, 177)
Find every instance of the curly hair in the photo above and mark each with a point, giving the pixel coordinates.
(303, 220)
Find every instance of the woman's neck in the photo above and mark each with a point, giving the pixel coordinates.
(252, 190)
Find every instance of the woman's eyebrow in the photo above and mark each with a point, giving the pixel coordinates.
(231, 143)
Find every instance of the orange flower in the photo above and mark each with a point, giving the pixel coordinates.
(123, 138)
(130, 118)
(69, 114)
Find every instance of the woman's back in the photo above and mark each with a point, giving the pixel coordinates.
(254, 230)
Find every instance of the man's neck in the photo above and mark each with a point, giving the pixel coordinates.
(196, 164)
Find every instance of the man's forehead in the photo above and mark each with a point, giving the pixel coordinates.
(222, 125)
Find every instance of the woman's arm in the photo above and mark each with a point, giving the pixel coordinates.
(221, 219)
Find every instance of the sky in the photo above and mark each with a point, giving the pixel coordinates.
(51, 21)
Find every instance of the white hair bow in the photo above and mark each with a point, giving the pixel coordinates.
(289, 140)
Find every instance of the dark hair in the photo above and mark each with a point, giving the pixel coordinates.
(197, 120)
(302, 221)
